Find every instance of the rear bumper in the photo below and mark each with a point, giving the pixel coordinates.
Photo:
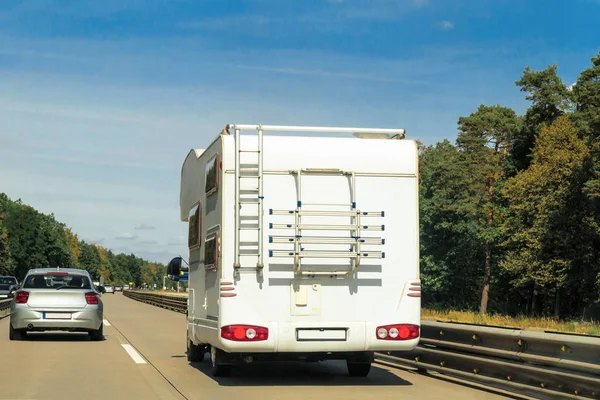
(344, 337)
(84, 319)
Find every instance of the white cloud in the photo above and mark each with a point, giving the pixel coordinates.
(126, 236)
(447, 25)
(144, 227)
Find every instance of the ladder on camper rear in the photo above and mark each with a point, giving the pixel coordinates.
(252, 195)
(354, 238)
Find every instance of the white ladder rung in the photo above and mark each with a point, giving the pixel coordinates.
(329, 204)
(327, 240)
(309, 227)
(248, 191)
(332, 213)
(249, 151)
(248, 201)
(249, 227)
(326, 254)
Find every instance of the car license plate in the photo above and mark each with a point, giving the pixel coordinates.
(57, 315)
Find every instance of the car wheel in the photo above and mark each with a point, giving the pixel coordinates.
(15, 334)
(97, 335)
(359, 369)
(218, 368)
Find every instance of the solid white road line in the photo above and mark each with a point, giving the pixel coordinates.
(105, 322)
(133, 354)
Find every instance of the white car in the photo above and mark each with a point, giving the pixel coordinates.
(109, 288)
(56, 300)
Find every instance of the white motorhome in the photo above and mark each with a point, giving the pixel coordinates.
(301, 247)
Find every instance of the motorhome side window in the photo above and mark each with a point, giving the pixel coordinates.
(211, 252)
(212, 176)
(195, 224)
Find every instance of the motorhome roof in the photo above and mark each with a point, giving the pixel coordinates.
(323, 129)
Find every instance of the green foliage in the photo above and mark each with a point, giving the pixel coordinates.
(550, 99)
(545, 202)
(511, 213)
(449, 222)
(30, 239)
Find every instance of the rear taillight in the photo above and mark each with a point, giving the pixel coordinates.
(398, 332)
(244, 333)
(91, 298)
(21, 297)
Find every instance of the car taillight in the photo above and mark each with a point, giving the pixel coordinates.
(91, 298)
(244, 333)
(21, 297)
(398, 332)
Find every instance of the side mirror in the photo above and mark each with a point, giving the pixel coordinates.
(101, 289)
(174, 269)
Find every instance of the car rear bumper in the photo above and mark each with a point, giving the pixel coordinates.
(80, 320)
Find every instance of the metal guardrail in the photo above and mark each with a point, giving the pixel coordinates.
(173, 303)
(544, 365)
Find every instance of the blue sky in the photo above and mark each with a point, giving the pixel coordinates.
(100, 101)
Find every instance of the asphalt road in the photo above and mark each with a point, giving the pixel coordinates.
(143, 356)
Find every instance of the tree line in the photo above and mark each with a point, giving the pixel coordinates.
(510, 212)
(30, 239)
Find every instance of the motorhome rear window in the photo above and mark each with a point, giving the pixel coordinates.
(211, 175)
(195, 223)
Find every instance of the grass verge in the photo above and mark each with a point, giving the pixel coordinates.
(547, 324)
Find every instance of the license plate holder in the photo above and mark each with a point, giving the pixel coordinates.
(57, 315)
(321, 334)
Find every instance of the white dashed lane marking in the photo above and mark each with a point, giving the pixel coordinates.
(105, 322)
(133, 354)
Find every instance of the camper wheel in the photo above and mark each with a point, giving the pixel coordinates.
(359, 364)
(359, 369)
(194, 353)
(218, 367)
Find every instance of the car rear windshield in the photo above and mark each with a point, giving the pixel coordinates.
(43, 281)
(4, 280)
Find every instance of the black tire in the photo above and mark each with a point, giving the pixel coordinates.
(218, 368)
(359, 369)
(15, 334)
(97, 335)
(194, 353)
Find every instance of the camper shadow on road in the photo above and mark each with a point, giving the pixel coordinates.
(330, 373)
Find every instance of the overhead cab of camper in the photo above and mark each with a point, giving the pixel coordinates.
(302, 241)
